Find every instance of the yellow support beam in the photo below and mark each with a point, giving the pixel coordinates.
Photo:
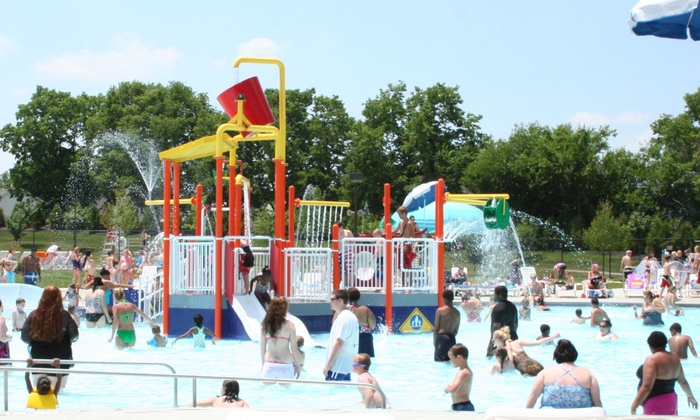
(324, 203)
(187, 201)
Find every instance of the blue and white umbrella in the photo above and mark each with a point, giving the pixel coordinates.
(421, 196)
(666, 18)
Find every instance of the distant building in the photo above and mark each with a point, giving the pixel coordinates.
(7, 203)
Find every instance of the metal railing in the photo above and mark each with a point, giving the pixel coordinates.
(261, 253)
(175, 376)
(150, 289)
(362, 263)
(8, 368)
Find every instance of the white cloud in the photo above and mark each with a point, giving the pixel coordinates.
(259, 47)
(7, 46)
(129, 59)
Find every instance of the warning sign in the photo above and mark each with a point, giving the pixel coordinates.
(416, 323)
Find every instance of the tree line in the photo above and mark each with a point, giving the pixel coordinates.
(69, 171)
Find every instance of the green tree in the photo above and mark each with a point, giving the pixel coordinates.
(672, 182)
(126, 216)
(44, 142)
(19, 220)
(554, 174)
(606, 233)
(3, 223)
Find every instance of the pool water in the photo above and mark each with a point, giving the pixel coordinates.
(404, 367)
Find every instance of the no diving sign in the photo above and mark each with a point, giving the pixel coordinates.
(416, 323)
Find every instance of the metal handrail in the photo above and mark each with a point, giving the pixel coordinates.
(176, 376)
(65, 362)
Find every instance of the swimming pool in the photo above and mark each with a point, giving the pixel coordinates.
(403, 366)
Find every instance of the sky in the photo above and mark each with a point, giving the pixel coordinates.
(514, 62)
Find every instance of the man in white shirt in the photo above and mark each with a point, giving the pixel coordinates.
(343, 340)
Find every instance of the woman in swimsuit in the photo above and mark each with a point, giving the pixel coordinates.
(516, 354)
(652, 308)
(279, 353)
(565, 385)
(77, 266)
(657, 378)
(89, 267)
(96, 309)
(123, 323)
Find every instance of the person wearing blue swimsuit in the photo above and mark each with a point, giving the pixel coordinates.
(565, 385)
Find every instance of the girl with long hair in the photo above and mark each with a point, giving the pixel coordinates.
(228, 398)
(279, 352)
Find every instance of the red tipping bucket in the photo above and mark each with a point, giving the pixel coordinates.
(255, 108)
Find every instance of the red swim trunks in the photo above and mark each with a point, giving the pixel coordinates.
(665, 281)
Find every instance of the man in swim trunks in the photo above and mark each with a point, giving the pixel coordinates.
(31, 268)
(504, 313)
(597, 315)
(657, 378)
(446, 327)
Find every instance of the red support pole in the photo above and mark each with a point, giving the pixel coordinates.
(238, 205)
(176, 199)
(439, 228)
(219, 241)
(198, 208)
(290, 204)
(388, 260)
(166, 247)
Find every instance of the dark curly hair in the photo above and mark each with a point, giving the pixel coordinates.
(565, 352)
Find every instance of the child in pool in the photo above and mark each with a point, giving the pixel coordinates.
(158, 339)
(198, 332)
(503, 363)
(360, 367)
(71, 296)
(44, 396)
(300, 344)
(579, 318)
(462, 383)
(228, 398)
(545, 330)
(18, 315)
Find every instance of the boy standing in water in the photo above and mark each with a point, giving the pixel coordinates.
(462, 383)
(360, 367)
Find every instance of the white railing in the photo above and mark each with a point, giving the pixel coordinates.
(192, 265)
(362, 263)
(414, 264)
(309, 273)
(150, 288)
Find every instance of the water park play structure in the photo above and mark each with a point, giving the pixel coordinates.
(201, 273)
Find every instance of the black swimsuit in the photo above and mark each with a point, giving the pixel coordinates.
(660, 387)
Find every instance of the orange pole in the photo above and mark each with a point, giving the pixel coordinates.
(198, 208)
(219, 240)
(439, 227)
(166, 247)
(176, 199)
(232, 209)
(388, 261)
(280, 189)
(238, 205)
(290, 203)
(335, 245)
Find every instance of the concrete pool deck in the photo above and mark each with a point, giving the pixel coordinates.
(186, 413)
